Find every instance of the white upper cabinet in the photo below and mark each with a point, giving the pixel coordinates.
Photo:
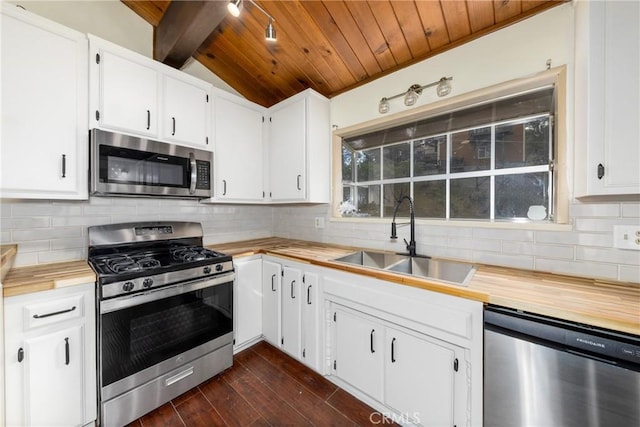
(186, 111)
(133, 94)
(239, 154)
(44, 108)
(607, 98)
(299, 149)
(127, 91)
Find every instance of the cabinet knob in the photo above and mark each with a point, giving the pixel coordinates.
(600, 170)
(20, 355)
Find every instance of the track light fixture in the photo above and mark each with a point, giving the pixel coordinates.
(413, 93)
(234, 7)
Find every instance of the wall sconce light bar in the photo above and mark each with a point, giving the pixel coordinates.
(413, 93)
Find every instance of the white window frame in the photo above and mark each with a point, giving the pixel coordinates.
(560, 194)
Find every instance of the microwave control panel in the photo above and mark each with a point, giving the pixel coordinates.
(203, 170)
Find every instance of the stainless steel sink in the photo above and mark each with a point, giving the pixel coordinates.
(371, 259)
(457, 273)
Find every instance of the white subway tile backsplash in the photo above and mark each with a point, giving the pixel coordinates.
(84, 221)
(26, 222)
(506, 260)
(503, 234)
(45, 233)
(39, 209)
(595, 210)
(629, 273)
(475, 244)
(631, 210)
(602, 225)
(578, 268)
(573, 238)
(61, 256)
(617, 256)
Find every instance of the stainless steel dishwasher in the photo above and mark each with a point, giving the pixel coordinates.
(545, 372)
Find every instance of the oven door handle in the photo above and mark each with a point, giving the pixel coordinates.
(126, 301)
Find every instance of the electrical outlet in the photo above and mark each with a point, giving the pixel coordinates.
(319, 222)
(626, 237)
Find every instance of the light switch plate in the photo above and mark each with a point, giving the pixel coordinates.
(626, 237)
(319, 222)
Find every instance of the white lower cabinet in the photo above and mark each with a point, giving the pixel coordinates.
(271, 284)
(412, 354)
(247, 301)
(290, 309)
(50, 358)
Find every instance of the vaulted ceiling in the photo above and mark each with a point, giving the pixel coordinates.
(331, 46)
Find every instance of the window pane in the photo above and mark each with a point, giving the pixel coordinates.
(517, 194)
(368, 165)
(430, 198)
(522, 144)
(397, 161)
(347, 164)
(369, 200)
(471, 150)
(470, 198)
(347, 193)
(430, 156)
(393, 192)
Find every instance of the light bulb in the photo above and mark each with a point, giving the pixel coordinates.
(411, 97)
(383, 107)
(444, 87)
(234, 7)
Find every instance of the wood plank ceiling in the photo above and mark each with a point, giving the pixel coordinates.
(333, 45)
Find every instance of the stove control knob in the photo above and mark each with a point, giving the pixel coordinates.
(218, 267)
(128, 286)
(207, 269)
(147, 282)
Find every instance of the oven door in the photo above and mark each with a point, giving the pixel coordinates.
(146, 335)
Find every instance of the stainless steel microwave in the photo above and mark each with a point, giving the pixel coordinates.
(126, 165)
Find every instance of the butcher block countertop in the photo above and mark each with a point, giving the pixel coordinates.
(43, 277)
(594, 302)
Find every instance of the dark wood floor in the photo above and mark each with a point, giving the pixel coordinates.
(265, 387)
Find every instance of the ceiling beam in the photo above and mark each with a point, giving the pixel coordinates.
(184, 27)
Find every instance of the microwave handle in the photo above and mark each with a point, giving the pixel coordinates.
(194, 174)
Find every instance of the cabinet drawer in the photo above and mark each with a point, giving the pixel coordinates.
(53, 311)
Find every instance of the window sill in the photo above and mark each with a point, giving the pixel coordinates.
(524, 225)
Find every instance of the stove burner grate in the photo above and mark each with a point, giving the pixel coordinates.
(127, 263)
(191, 253)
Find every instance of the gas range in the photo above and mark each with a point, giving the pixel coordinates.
(135, 257)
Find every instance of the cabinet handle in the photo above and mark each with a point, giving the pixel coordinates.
(64, 166)
(600, 170)
(393, 350)
(173, 129)
(293, 282)
(180, 376)
(273, 279)
(148, 119)
(55, 313)
(66, 351)
(224, 187)
(20, 355)
(298, 182)
(309, 294)
(373, 331)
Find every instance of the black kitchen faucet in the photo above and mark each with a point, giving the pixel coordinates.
(411, 244)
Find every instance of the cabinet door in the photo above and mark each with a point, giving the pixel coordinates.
(287, 152)
(310, 320)
(271, 284)
(291, 311)
(58, 357)
(239, 153)
(247, 313)
(359, 351)
(607, 98)
(419, 378)
(128, 94)
(185, 112)
(44, 108)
